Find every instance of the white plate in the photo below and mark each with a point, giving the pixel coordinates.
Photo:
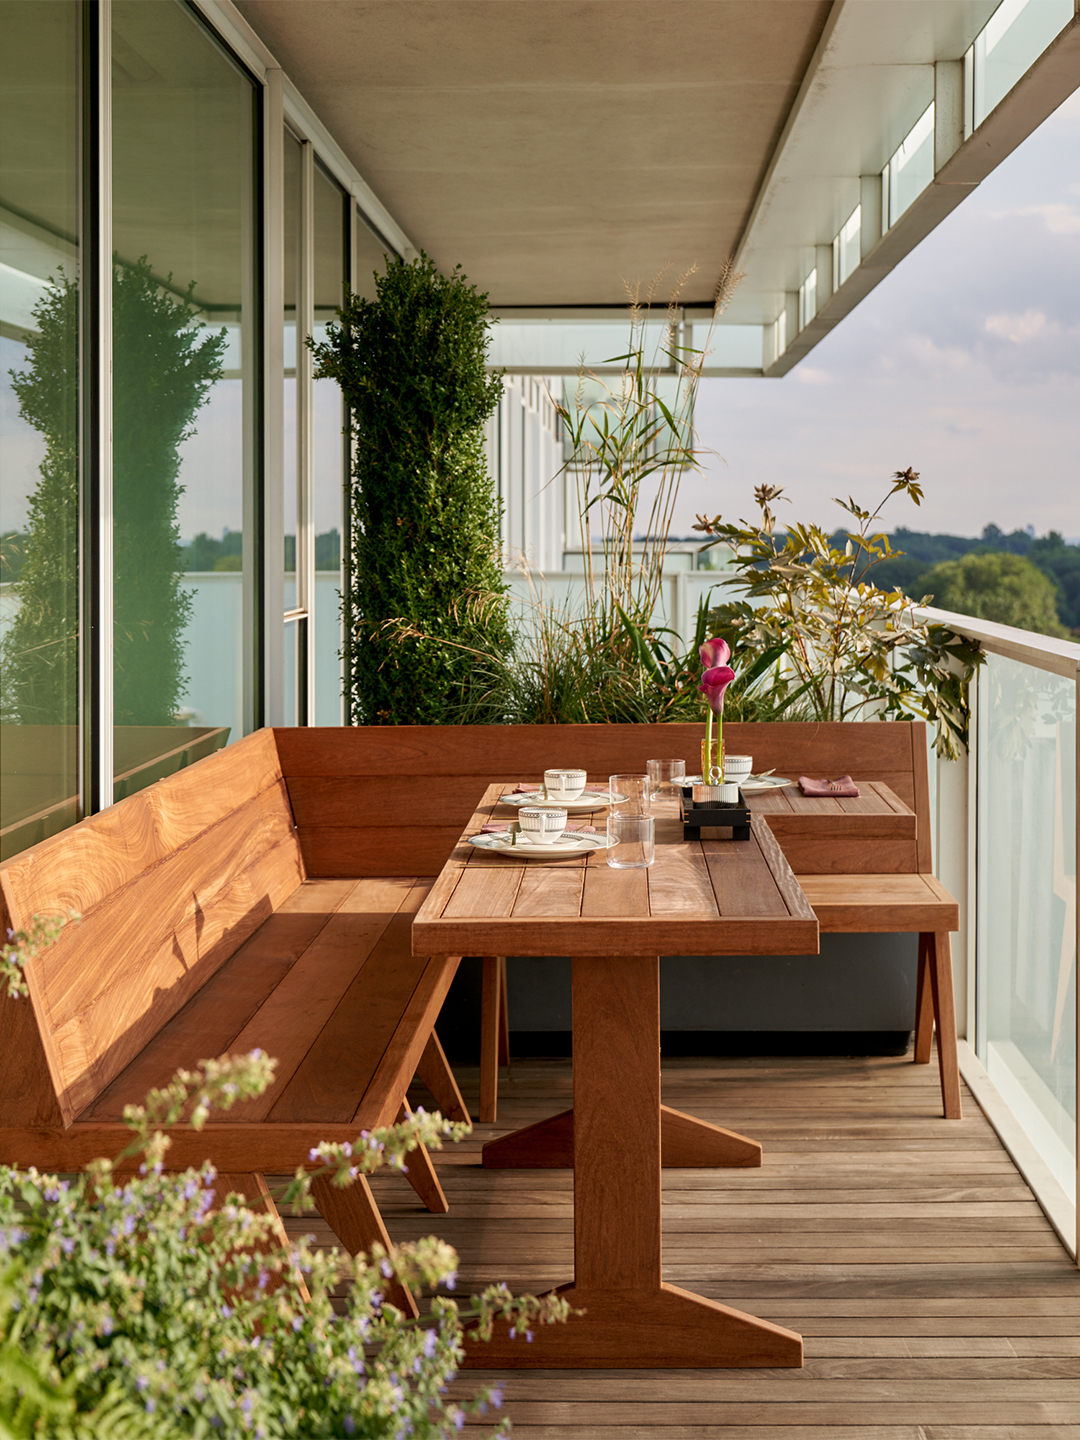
(571, 845)
(753, 784)
(572, 807)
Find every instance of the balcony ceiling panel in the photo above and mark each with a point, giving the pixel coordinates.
(555, 148)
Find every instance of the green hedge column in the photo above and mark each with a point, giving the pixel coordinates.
(425, 521)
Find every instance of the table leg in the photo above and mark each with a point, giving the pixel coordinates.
(632, 1318)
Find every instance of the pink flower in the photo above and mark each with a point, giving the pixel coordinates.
(713, 684)
(714, 652)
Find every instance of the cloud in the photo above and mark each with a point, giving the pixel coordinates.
(1017, 328)
(1060, 219)
(807, 375)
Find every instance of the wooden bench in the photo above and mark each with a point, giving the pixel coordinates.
(205, 932)
(865, 865)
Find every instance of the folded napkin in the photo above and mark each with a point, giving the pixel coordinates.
(828, 789)
(497, 826)
(528, 786)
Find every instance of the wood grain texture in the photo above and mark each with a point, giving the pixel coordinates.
(435, 1072)
(685, 1142)
(354, 1217)
(862, 904)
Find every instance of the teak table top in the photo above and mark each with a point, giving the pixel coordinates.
(702, 897)
(699, 898)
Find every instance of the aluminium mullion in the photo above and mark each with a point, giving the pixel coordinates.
(305, 508)
(272, 578)
(95, 402)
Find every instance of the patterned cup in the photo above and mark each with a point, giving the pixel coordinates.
(564, 784)
(541, 827)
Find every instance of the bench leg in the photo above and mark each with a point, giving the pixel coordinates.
(924, 1005)
(434, 1070)
(420, 1173)
(494, 1034)
(939, 957)
(354, 1218)
(256, 1195)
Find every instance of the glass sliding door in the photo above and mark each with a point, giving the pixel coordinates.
(330, 231)
(184, 345)
(39, 420)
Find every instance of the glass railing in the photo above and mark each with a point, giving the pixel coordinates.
(1018, 882)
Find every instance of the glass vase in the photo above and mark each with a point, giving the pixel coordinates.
(712, 761)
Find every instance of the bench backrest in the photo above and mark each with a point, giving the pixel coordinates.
(169, 883)
(393, 800)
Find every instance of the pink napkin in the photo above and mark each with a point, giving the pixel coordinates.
(828, 789)
(496, 827)
(526, 787)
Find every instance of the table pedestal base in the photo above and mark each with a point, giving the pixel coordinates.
(665, 1328)
(685, 1143)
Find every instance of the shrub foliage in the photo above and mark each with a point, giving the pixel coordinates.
(425, 527)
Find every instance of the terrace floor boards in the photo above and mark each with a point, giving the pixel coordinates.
(934, 1298)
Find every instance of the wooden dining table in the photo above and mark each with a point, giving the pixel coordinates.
(700, 897)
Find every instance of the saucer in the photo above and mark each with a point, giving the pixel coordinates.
(572, 807)
(751, 784)
(566, 845)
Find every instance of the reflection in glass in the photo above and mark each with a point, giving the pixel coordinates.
(183, 397)
(39, 624)
(291, 458)
(328, 453)
(1027, 901)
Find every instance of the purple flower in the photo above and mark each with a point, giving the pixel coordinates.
(714, 652)
(713, 684)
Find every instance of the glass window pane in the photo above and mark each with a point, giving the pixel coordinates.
(183, 387)
(293, 250)
(290, 707)
(371, 253)
(39, 505)
(1026, 902)
(328, 460)
(911, 168)
(1012, 40)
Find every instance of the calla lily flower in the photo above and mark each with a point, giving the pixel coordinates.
(714, 682)
(714, 652)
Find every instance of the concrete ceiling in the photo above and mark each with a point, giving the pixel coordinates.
(555, 148)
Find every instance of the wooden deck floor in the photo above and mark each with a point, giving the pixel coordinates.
(935, 1299)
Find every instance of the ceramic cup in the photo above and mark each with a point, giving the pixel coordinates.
(564, 784)
(737, 767)
(541, 827)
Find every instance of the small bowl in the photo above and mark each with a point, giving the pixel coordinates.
(564, 784)
(737, 767)
(541, 827)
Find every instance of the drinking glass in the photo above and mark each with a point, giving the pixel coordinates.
(629, 794)
(665, 778)
(631, 840)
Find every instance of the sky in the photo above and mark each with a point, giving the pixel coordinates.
(964, 363)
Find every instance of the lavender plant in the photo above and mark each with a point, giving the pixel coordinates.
(138, 1306)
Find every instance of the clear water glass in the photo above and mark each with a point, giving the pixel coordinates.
(665, 778)
(631, 841)
(629, 794)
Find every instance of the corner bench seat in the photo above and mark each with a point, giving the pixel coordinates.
(202, 935)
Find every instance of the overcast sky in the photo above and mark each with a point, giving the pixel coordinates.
(964, 362)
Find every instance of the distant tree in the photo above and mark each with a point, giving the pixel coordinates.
(997, 586)
(1062, 563)
(163, 370)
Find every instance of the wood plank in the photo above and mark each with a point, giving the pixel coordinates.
(80, 867)
(487, 894)
(863, 904)
(679, 882)
(289, 1023)
(921, 802)
(344, 1056)
(173, 946)
(547, 891)
(741, 879)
